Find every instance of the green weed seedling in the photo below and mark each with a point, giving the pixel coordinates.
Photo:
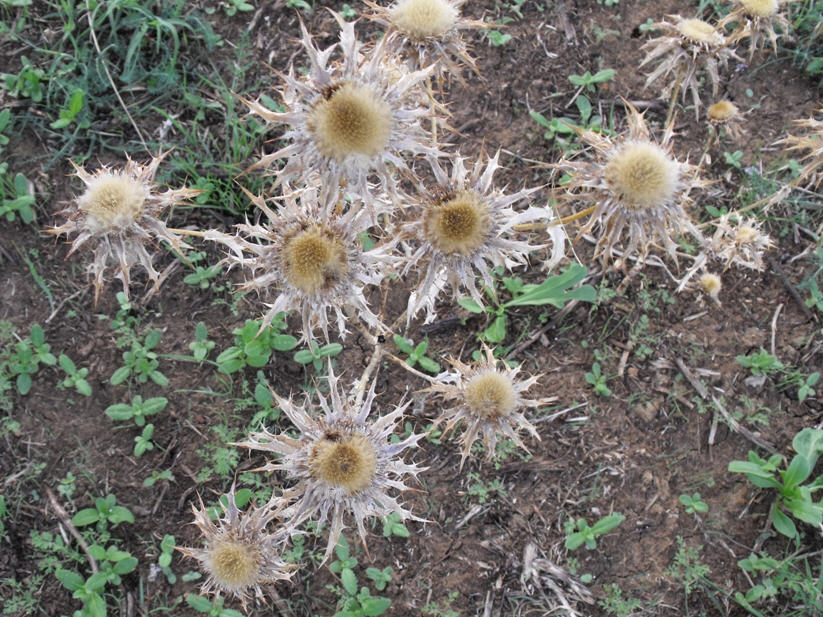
(69, 113)
(791, 580)
(105, 511)
(814, 282)
(143, 443)
(202, 275)
(688, 569)
(760, 363)
(416, 354)
(355, 601)
(112, 563)
(5, 123)
(482, 490)
(138, 410)
(27, 357)
(615, 604)
(201, 345)
(317, 355)
(254, 345)
(28, 83)
(589, 82)
(156, 476)
(442, 609)
(598, 380)
(555, 291)
(393, 526)
(212, 608)
(793, 496)
(381, 578)
(693, 504)
(142, 362)
(17, 198)
(301, 5)
(764, 363)
(75, 378)
(164, 559)
(579, 532)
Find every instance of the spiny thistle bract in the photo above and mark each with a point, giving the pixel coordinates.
(812, 141)
(461, 232)
(637, 188)
(685, 46)
(428, 32)
(487, 398)
(757, 20)
(309, 255)
(239, 555)
(350, 120)
(119, 215)
(341, 462)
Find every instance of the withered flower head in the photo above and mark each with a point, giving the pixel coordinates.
(428, 32)
(757, 20)
(118, 215)
(462, 232)
(309, 257)
(341, 462)
(812, 141)
(487, 398)
(711, 285)
(725, 114)
(350, 120)
(637, 188)
(239, 555)
(739, 241)
(686, 46)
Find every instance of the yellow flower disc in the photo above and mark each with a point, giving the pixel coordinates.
(490, 395)
(421, 19)
(113, 200)
(234, 565)
(641, 176)
(345, 461)
(457, 226)
(314, 259)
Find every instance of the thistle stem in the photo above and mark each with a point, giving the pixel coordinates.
(573, 217)
(411, 370)
(362, 384)
(677, 84)
(433, 115)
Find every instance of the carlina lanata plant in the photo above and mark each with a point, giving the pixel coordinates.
(726, 115)
(349, 121)
(811, 141)
(118, 215)
(342, 463)
(239, 554)
(488, 401)
(758, 20)
(309, 258)
(740, 241)
(710, 284)
(686, 46)
(638, 189)
(428, 33)
(463, 230)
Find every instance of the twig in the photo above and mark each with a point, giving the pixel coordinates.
(64, 518)
(774, 326)
(546, 327)
(362, 385)
(89, 13)
(790, 287)
(63, 301)
(406, 366)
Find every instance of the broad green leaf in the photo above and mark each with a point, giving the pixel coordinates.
(126, 565)
(304, 356)
(782, 523)
(574, 541)
(119, 514)
(427, 364)
(159, 378)
(809, 444)
(85, 517)
(607, 523)
(120, 375)
(349, 581)
(470, 305)
(374, 606)
(70, 580)
(155, 405)
(799, 469)
(403, 344)
(67, 365)
(748, 468)
(556, 290)
(119, 411)
(24, 383)
(283, 342)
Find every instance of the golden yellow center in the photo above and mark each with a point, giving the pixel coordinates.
(746, 235)
(421, 19)
(113, 200)
(722, 111)
(345, 461)
(760, 8)
(710, 284)
(314, 259)
(234, 565)
(490, 395)
(641, 176)
(457, 226)
(698, 31)
(353, 119)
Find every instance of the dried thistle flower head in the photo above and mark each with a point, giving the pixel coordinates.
(725, 114)
(757, 20)
(118, 214)
(739, 241)
(637, 187)
(428, 33)
(812, 141)
(341, 462)
(309, 256)
(710, 284)
(239, 555)
(686, 46)
(487, 398)
(349, 121)
(461, 232)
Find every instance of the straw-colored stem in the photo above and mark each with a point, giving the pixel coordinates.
(432, 114)
(411, 370)
(362, 384)
(679, 82)
(573, 217)
(187, 232)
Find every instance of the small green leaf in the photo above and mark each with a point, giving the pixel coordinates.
(375, 605)
(119, 514)
(349, 581)
(470, 305)
(782, 523)
(85, 517)
(70, 580)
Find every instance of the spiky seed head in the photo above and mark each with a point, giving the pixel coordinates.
(352, 119)
(422, 19)
(698, 31)
(491, 395)
(348, 462)
(746, 234)
(314, 259)
(642, 175)
(113, 200)
(760, 8)
(458, 225)
(711, 285)
(235, 565)
(722, 111)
